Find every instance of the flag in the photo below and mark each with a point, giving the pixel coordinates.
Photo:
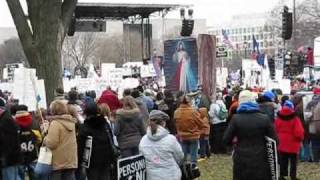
(226, 39)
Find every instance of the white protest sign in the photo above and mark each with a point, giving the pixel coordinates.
(105, 68)
(6, 87)
(130, 83)
(285, 86)
(28, 89)
(147, 71)
(115, 78)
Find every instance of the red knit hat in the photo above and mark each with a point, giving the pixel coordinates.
(316, 90)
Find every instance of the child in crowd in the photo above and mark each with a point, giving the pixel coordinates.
(204, 137)
(291, 133)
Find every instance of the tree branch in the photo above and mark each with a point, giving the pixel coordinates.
(67, 9)
(20, 22)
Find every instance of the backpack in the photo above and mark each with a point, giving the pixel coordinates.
(222, 113)
(28, 145)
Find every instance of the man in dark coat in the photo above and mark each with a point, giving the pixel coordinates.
(267, 104)
(249, 127)
(10, 154)
(101, 158)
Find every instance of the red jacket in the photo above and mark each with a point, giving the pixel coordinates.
(108, 97)
(289, 130)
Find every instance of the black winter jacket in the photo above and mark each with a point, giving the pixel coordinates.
(250, 155)
(269, 109)
(101, 155)
(10, 153)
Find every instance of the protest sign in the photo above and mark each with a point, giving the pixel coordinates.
(6, 87)
(132, 168)
(28, 89)
(147, 71)
(105, 68)
(115, 78)
(272, 155)
(87, 152)
(8, 71)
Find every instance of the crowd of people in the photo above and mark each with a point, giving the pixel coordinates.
(167, 128)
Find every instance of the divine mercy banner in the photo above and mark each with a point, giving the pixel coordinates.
(181, 64)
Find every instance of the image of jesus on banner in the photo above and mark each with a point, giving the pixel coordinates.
(184, 77)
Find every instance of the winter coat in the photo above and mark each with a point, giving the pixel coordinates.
(205, 118)
(172, 106)
(232, 110)
(250, 155)
(163, 155)
(129, 128)
(30, 139)
(289, 131)
(143, 110)
(108, 97)
(61, 140)
(188, 122)
(10, 154)
(313, 117)
(268, 108)
(101, 154)
(148, 102)
(214, 110)
(204, 101)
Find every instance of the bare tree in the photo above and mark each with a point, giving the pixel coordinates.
(81, 48)
(42, 31)
(111, 49)
(11, 52)
(306, 26)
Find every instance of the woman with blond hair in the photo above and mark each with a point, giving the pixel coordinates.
(129, 127)
(61, 140)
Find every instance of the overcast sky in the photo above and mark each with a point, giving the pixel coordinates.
(215, 11)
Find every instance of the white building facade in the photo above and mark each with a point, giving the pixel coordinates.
(241, 30)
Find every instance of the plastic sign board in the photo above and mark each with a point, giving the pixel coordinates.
(221, 51)
(132, 168)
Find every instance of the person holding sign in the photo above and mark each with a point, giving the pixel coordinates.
(161, 150)
(97, 161)
(249, 126)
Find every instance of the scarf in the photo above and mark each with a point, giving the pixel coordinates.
(248, 107)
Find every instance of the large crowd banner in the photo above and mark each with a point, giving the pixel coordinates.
(132, 168)
(181, 64)
(207, 63)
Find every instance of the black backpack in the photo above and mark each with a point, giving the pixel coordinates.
(28, 145)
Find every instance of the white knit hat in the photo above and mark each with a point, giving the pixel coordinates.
(246, 96)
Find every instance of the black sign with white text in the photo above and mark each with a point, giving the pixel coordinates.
(132, 168)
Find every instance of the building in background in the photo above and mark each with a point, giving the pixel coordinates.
(240, 31)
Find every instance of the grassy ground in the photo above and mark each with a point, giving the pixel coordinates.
(219, 167)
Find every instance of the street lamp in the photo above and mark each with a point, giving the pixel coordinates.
(245, 45)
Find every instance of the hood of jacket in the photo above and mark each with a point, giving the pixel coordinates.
(286, 114)
(248, 107)
(66, 120)
(267, 103)
(24, 119)
(161, 133)
(96, 122)
(128, 113)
